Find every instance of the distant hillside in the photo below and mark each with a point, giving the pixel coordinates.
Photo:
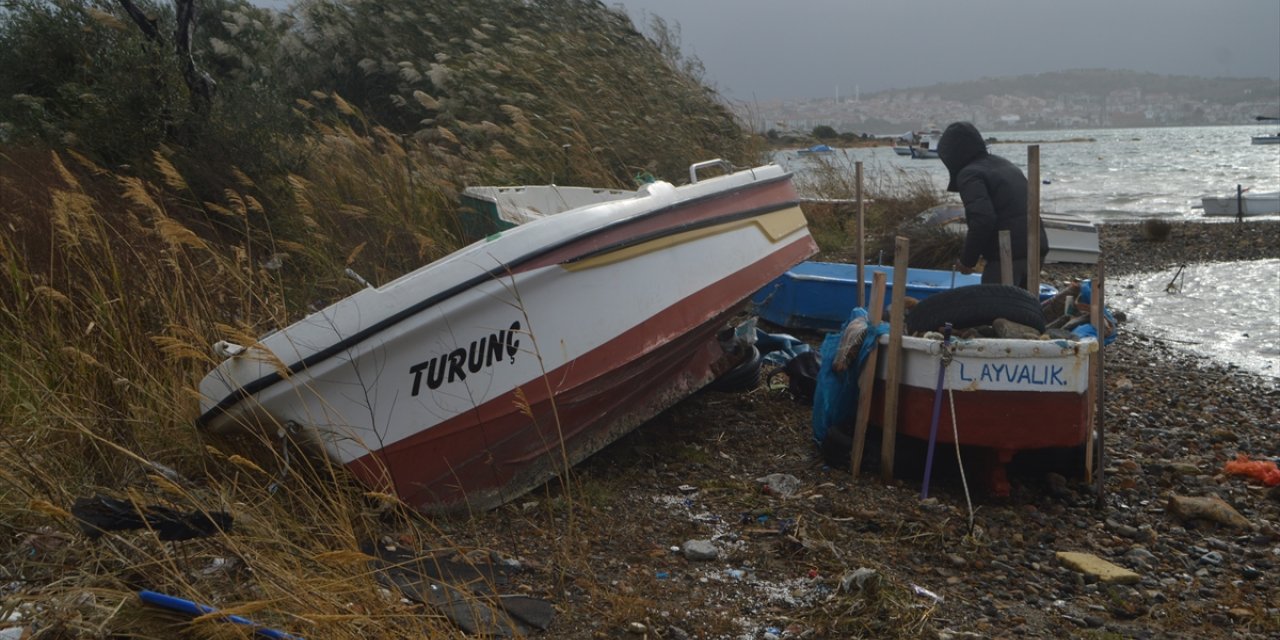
(1101, 82)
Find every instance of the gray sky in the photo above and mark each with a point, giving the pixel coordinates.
(766, 49)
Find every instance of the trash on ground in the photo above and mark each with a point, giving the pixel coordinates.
(462, 590)
(1264, 471)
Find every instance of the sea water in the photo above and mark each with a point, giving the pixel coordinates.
(1226, 311)
(1229, 312)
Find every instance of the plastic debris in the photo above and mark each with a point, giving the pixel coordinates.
(1264, 471)
(921, 591)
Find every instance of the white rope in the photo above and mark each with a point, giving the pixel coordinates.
(955, 437)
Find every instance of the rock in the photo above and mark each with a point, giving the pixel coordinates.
(863, 579)
(1207, 508)
(637, 628)
(700, 550)
(1092, 565)
(1012, 330)
(676, 633)
(1140, 557)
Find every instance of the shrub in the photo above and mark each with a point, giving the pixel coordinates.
(1156, 230)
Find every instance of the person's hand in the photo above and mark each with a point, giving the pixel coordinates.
(963, 268)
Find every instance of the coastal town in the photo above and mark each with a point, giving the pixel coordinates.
(1014, 104)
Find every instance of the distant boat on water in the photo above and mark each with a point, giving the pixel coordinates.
(1267, 139)
(926, 146)
(816, 149)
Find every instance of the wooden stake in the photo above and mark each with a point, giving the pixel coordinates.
(868, 377)
(1006, 257)
(893, 366)
(862, 249)
(1097, 301)
(1033, 220)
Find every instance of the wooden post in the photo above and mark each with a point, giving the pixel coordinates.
(862, 249)
(1033, 220)
(1097, 303)
(1006, 257)
(893, 366)
(1239, 204)
(868, 378)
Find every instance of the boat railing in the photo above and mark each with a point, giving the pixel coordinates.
(707, 164)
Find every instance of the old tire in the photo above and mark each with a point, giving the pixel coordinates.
(976, 305)
(744, 377)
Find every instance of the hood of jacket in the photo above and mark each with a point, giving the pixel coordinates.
(960, 144)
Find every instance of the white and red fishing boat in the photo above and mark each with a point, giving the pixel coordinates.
(1009, 395)
(480, 376)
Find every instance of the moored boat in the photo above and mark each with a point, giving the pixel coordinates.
(1247, 204)
(1267, 139)
(1072, 238)
(816, 149)
(475, 378)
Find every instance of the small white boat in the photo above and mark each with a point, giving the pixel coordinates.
(480, 376)
(926, 146)
(1267, 139)
(1247, 204)
(902, 150)
(1072, 238)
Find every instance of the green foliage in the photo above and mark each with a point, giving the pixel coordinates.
(76, 74)
(558, 91)
(824, 132)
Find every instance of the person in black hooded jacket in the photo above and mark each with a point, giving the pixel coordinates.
(994, 192)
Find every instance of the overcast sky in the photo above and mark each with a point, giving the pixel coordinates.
(766, 49)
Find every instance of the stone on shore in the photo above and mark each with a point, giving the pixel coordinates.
(1091, 565)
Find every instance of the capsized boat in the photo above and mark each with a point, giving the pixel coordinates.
(1247, 204)
(473, 379)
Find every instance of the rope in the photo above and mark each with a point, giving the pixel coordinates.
(955, 437)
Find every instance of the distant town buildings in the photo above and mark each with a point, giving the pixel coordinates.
(899, 111)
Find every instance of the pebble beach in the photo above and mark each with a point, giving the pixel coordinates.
(1175, 546)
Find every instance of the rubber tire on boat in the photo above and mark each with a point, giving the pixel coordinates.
(744, 377)
(976, 305)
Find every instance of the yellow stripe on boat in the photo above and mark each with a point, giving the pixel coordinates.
(775, 225)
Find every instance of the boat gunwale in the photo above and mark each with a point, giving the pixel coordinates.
(243, 391)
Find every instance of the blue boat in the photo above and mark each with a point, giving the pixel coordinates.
(819, 296)
(817, 148)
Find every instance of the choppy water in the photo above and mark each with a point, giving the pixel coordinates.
(1229, 312)
(1113, 174)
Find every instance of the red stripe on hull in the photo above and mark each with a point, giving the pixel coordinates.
(1006, 420)
(496, 452)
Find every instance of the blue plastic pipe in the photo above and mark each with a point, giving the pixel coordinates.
(196, 609)
(937, 411)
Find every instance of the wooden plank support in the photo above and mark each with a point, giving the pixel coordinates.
(861, 231)
(868, 377)
(893, 364)
(1098, 301)
(1033, 220)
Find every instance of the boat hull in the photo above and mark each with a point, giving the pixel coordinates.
(467, 391)
(819, 296)
(1250, 204)
(1009, 395)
